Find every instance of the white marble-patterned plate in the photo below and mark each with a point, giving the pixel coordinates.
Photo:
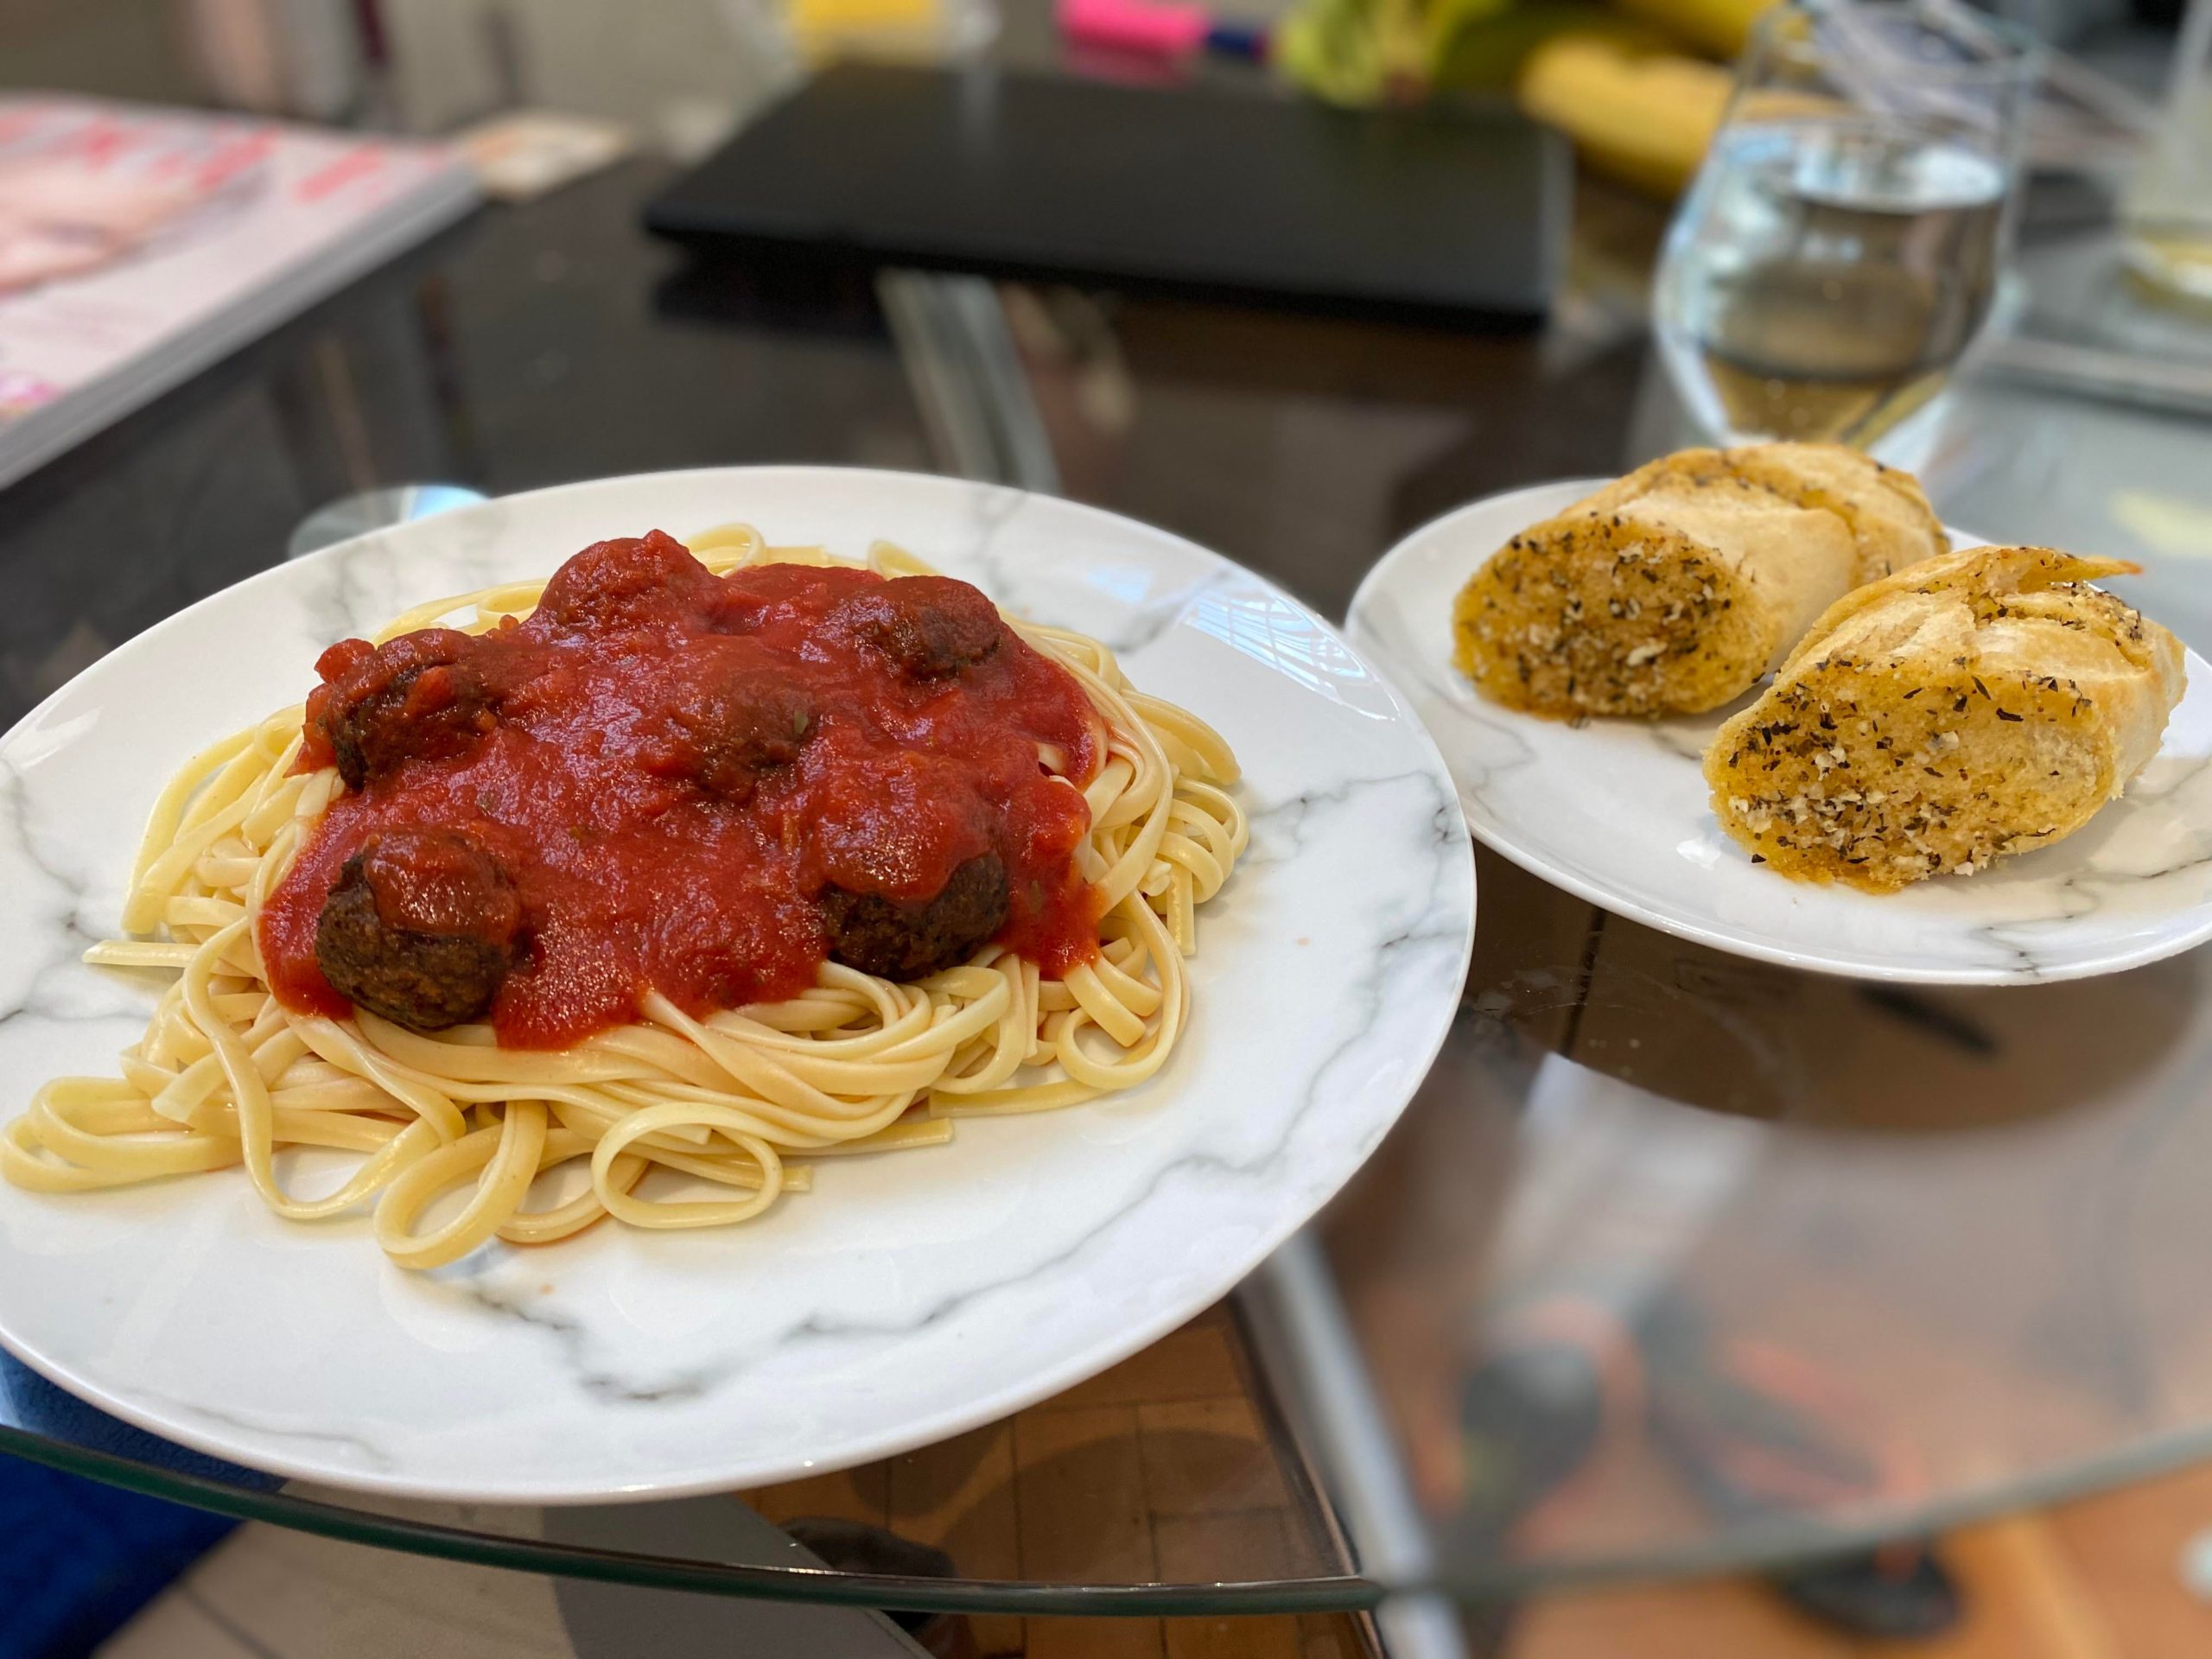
(1616, 812)
(905, 1299)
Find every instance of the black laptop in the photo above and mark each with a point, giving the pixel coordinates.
(1456, 210)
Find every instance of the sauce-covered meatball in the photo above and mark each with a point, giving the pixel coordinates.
(631, 581)
(421, 928)
(895, 940)
(728, 728)
(929, 626)
(421, 696)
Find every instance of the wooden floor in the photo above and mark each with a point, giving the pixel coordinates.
(1161, 1469)
(2095, 1579)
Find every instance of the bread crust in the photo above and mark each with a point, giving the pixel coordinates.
(1986, 702)
(1890, 521)
(1673, 590)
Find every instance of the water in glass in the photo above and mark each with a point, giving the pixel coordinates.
(1840, 247)
(1826, 275)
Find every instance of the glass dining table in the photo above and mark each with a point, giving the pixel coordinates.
(1678, 1263)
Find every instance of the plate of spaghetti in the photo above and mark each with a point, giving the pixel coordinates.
(660, 985)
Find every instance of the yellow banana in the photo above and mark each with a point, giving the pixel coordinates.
(1720, 27)
(1644, 118)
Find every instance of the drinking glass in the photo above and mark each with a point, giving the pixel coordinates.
(1840, 247)
(2167, 211)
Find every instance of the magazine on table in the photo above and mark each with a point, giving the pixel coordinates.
(139, 246)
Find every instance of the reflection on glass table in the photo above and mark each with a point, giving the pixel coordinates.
(1684, 1261)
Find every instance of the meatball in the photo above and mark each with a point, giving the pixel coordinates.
(421, 696)
(895, 940)
(729, 728)
(421, 928)
(929, 626)
(629, 582)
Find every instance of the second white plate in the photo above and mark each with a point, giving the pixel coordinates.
(1616, 812)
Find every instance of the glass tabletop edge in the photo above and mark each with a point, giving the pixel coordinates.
(1332, 1594)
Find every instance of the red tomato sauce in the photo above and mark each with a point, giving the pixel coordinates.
(580, 773)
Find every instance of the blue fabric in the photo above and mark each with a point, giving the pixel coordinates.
(82, 1557)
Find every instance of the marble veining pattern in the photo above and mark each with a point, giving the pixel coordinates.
(1616, 810)
(906, 1297)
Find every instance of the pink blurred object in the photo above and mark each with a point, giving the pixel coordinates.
(64, 216)
(1172, 31)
